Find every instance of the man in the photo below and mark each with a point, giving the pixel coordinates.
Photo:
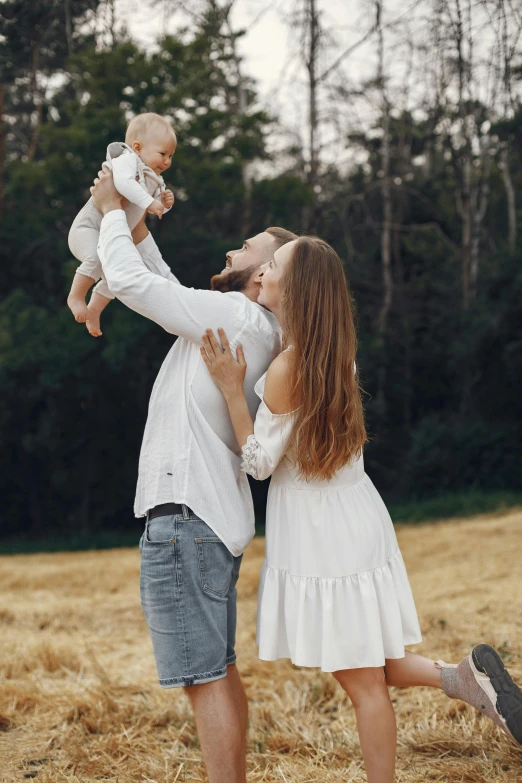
(196, 500)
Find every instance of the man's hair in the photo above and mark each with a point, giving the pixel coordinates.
(144, 123)
(281, 235)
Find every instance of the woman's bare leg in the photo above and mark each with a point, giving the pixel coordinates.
(480, 680)
(413, 670)
(376, 724)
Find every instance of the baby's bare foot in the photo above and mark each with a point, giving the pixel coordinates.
(92, 322)
(78, 308)
(97, 305)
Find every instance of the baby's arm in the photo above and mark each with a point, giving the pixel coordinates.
(124, 171)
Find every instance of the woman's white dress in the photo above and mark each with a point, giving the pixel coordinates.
(334, 592)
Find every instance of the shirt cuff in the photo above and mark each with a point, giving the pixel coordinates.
(114, 216)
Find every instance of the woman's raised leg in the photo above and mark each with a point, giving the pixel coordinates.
(413, 670)
(376, 724)
(480, 680)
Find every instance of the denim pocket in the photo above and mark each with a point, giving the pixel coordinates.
(160, 530)
(216, 566)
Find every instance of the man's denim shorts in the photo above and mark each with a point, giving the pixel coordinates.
(188, 594)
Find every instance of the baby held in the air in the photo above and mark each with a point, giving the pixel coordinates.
(137, 166)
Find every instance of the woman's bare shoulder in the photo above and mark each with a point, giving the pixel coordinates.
(277, 384)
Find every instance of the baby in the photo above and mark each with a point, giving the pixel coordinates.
(137, 166)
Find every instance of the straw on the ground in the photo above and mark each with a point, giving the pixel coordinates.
(79, 700)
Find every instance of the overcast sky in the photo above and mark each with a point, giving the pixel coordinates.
(270, 50)
(267, 45)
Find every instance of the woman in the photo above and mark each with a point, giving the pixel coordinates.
(334, 592)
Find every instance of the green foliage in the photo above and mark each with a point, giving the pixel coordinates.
(74, 542)
(35, 33)
(280, 201)
(73, 408)
(473, 454)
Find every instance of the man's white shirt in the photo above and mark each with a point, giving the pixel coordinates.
(189, 452)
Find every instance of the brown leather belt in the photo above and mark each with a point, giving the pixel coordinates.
(167, 509)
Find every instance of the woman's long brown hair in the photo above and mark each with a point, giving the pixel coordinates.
(319, 316)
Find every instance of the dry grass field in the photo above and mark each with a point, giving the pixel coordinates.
(79, 699)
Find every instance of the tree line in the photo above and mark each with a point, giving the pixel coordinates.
(425, 216)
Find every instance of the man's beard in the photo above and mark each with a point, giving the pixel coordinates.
(235, 280)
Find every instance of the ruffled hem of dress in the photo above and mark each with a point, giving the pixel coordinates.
(334, 623)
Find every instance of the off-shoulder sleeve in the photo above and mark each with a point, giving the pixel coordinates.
(264, 449)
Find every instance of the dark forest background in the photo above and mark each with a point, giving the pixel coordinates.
(427, 224)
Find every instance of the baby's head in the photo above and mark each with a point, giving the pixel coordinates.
(152, 138)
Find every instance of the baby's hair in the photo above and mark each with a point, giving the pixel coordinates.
(143, 124)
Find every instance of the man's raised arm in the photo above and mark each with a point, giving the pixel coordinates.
(186, 312)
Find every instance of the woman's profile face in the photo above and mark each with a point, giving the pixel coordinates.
(272, 273)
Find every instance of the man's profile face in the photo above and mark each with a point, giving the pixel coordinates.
(253, 253)
(242, 263)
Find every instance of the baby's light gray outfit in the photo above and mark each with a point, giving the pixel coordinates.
(136, 182)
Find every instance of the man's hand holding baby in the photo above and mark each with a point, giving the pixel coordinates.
(105, 196)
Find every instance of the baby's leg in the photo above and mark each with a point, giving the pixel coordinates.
(101, 294)
(83, 244)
